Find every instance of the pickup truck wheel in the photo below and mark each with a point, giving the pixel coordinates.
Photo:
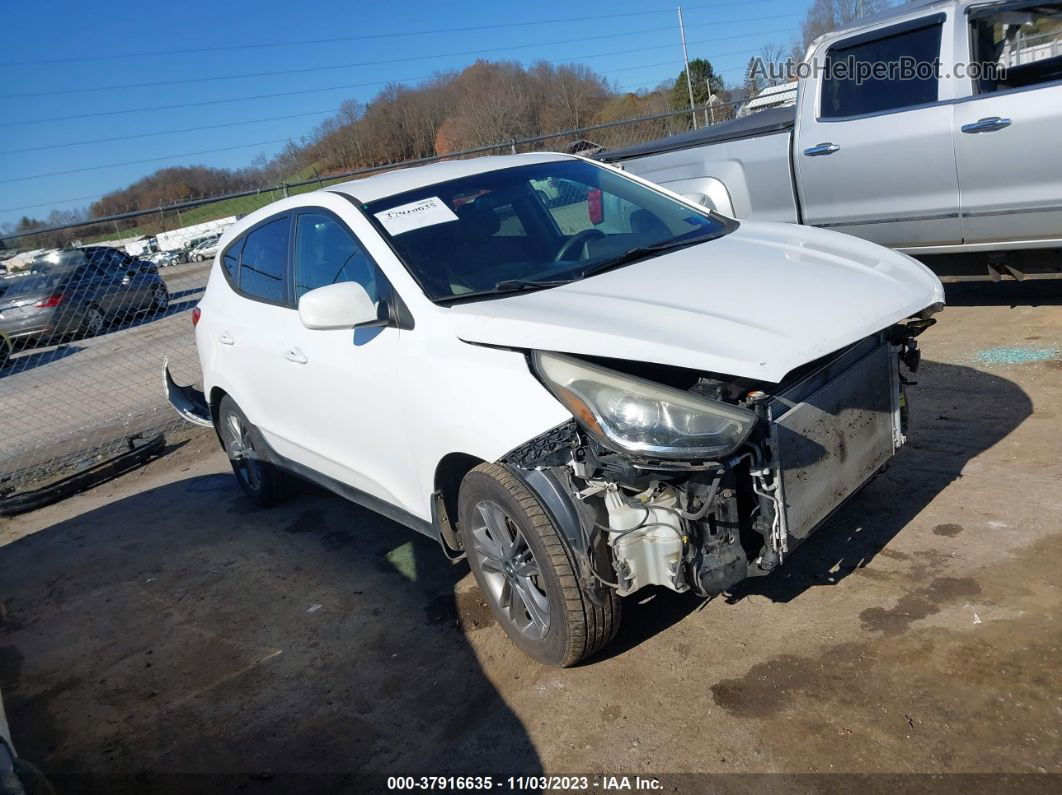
(525, 571)
(260, 480)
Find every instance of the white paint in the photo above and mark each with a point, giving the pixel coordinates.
(758, 303)
(379, 411)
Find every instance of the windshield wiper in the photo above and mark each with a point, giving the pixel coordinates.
(643, 252)
(503, 287)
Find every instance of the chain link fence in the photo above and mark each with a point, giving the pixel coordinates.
(84, 328)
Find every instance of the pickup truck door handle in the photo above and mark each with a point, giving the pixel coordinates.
(226, 339)
(821, 149)
(295, 355)
(991, 124)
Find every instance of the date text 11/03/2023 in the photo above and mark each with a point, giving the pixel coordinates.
(525, 783)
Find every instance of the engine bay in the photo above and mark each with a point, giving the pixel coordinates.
(704, 525)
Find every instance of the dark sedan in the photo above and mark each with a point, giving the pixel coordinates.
(77, 293)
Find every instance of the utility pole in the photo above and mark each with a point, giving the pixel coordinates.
(686, 60)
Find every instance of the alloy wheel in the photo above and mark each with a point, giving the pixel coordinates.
(512, 575)
(93, 322)
(241, 452)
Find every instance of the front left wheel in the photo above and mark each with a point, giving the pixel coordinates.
(526, 571)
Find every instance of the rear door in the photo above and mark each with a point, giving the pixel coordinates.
(1007, 133)
(251, 339)
(873, 150)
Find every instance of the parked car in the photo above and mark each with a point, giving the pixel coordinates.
(77, 292)
(664, 397)
(163, 259)
(203, 250)
(6, 349)
(957, 164)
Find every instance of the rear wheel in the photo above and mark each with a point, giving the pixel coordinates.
(93, 322)
(260, 480)
(160, 299)
(525, 570)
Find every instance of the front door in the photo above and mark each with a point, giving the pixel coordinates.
(874, 157)
(1007, 133)
(345, 416)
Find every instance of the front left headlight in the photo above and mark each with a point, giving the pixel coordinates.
(632, 415)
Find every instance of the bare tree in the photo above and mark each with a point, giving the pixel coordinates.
(825, 16)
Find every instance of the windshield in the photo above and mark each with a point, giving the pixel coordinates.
(532, 227)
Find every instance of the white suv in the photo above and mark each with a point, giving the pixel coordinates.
(586, 391)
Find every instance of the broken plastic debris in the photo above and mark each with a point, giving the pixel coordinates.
(314, 608)
(977, 618)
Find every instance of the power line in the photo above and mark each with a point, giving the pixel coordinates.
(114, 138)
(338, 67)
(264, 143)
(301, 91)
(138, 162)
(220, 125)
(370, 36)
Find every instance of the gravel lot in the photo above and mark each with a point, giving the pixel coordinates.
(162, 635)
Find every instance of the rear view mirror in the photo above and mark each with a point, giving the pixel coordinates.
(343, 305)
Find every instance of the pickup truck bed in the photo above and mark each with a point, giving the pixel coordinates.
(766, 122)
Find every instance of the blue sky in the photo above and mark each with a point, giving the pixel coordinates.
(150, 43)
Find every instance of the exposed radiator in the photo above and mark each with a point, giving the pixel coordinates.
(832, 431)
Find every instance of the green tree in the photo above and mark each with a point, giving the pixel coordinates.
(703, 76)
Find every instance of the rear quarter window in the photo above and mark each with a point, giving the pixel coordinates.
(264, 261)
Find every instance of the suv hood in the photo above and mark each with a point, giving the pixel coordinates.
(756, 303)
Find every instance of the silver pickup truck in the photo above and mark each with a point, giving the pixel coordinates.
(934, 128)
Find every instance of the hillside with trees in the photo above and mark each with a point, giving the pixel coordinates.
(488, 102)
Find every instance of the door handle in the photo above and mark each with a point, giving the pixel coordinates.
(226, 339)
(990, 124)
(295, 355)
(818, 150)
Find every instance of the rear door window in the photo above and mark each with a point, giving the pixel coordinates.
(264, 262)
(864, 76)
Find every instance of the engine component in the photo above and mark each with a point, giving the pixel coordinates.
(721, 566)
(647, 539)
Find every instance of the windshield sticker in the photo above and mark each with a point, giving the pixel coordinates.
(415, 215)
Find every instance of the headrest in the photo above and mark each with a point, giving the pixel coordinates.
(476, 223)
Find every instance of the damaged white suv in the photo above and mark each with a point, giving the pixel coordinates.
(583, 382)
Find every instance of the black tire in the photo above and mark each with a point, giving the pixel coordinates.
(260, 480)
(576, 627)
(160, 300)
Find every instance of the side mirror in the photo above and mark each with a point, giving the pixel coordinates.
(342, 305)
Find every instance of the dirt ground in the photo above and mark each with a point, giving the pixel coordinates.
(160, 625)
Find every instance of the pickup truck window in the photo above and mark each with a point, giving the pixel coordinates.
(848, 91)
(1025, 42)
